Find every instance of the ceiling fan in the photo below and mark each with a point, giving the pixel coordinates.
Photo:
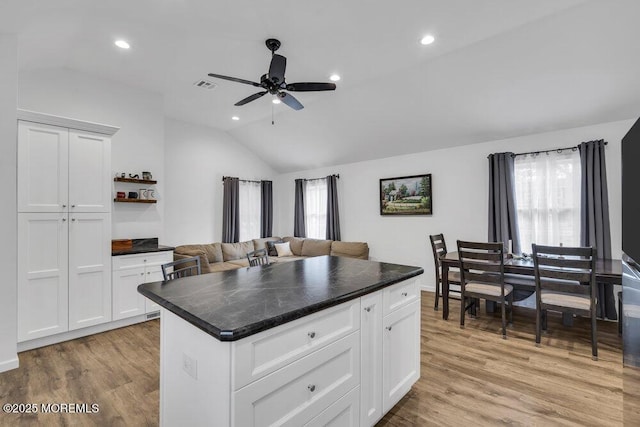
(274, 81)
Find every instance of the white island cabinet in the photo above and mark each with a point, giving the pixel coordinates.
(346, 365)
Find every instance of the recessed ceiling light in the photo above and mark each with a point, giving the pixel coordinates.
(334, 77)
(428, 39)
(276, 101)
(122, 44)
(236, 118)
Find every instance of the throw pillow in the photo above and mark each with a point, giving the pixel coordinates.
(271, 247)
(283, 249)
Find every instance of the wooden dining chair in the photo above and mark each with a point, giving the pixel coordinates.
(182, 268)
(439, 248)
(482, 276)
(565, 282)
(258, 257)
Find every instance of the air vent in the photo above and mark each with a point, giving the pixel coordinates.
(205, 84)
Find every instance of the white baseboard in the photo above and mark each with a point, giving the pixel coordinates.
(79, 333)
(10, 364)
(428, 287)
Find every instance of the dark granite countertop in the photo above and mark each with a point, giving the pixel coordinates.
(140, 246)
(231, 305)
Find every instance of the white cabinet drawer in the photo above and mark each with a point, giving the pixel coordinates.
(299, 392)
(343, 413)
(398, 295)
(263, 353)
(138, 260)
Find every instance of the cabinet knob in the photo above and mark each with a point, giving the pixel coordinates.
(312, 334)
(73, 206)
(367, 309)
(64, 206)
(73, 219)
(142, 274)
(404, 294)
(64, 219)
(148, 272)
(388, 328)
(311, 387)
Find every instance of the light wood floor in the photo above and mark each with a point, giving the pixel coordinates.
(470, 376)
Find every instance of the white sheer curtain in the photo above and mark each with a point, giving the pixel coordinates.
(548, 198)
(249, 207)
(315, 208)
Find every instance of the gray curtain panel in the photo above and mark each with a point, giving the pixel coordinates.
(299, 229)
(594, 215)
(266, 211)
(503, 219)
(230, 210)
(333, 218)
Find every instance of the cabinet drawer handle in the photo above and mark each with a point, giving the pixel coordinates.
(367, 309)
(312, 335)
(311, 387)
(404, 294)
(388, 328)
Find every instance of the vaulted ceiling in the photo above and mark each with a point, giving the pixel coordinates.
(498, 68)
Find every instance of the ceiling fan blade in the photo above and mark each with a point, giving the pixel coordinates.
(310, 87)
(277, 67)
(290, 101)
(250, 98)
(234, 79)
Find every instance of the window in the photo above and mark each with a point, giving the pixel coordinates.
(249, 207)
(315, 208)
(548, 198)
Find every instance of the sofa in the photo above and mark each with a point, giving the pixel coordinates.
(230, 256)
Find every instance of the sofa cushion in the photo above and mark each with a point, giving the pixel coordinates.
(283, 249)
(271, 247)
(295, 243)
(191, 253)
(316, 247)
(213, 251)
(236, 250)
(243, 262)
(350, 249)
(221, 266)
(262, 243)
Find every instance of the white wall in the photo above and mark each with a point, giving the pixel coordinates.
(138, 146)
(460, 195)
(8, 216)
(197, 157)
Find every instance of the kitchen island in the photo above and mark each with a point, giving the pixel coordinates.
(310, 342)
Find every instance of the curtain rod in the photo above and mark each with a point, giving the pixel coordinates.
(337, 175)
(558, 150)
(242, 180)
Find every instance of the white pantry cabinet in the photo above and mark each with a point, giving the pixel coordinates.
(130, 271)
(64, 224)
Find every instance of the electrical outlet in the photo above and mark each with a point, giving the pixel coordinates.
(190, 366)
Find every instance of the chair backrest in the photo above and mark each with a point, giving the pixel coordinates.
(258, 257)
(565, 269)
(181, 268)
(439, 248)
(481, 262)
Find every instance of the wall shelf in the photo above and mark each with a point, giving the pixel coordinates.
(135, 181)
(125, 200)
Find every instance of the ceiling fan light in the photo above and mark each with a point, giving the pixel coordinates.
(334, 77)
(427, 40)
(236, 118)
(276, 101)
(122, 44)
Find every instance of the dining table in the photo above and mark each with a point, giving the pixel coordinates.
(607, 271)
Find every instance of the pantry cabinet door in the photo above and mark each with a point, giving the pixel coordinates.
(89, 172)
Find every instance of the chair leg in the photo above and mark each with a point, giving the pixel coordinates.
(538, 324)
(435, 306)
(504, 318)
(594, 336)
(462, 310)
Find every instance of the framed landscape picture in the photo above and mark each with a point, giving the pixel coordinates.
(406, 195)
